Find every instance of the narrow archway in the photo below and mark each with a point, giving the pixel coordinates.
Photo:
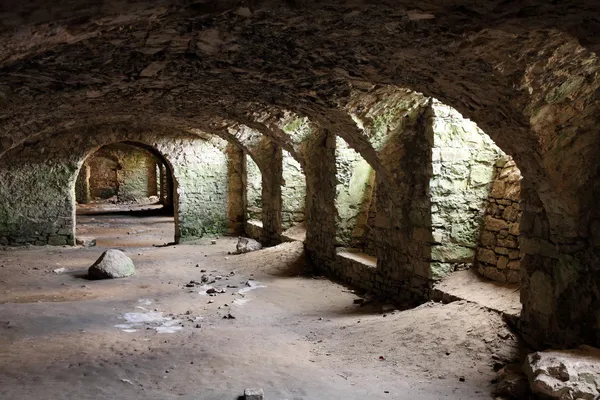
(125, 195)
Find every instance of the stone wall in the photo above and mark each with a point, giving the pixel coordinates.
(37, 184)
(104, 179)
(83, 194)
(354, 192)
(125, 171)
(293, 192)
(236, 171)
(498, 255)
(463, 161)
(253, 190)
(421, 212)
(200, 170)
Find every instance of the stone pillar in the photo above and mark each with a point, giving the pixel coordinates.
(82, 185)
(272, 176)
(560, 280)
(166, 188)
(320, 171)
(236, 173)
(403, 222)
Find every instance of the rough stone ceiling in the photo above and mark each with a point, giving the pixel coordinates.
(508, 65)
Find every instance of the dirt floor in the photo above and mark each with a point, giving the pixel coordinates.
(157, 336)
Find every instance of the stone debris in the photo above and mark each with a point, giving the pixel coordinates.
(111, 264)
(59, 270)
(565, 374)
(254, 394)
(246, 245)
(512, 382)
(85, 241)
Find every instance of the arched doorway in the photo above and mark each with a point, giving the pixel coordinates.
(124, 196)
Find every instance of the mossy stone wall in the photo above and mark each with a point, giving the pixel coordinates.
(293, 191)
(125, 171)
(37, 184)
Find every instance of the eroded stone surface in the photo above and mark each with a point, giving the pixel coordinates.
(565, 374)
(498, 254)
(246, 245)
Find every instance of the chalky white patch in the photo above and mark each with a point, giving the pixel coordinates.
(152, 319)
(251, 285)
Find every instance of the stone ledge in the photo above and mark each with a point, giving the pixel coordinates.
(357, 256)
(468, 285)
(254, 229)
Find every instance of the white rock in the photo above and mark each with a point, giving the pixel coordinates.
(565, 374)
(246, 245)
(254, 394)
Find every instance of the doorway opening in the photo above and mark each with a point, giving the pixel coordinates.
(125, 197)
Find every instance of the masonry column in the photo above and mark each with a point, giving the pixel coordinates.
(403, 223)
(82, 186)
(236, 174)
(319, 155)
(272, 176)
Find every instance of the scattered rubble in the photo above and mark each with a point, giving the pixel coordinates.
(86, 241)
(565, 374)
(512, 382)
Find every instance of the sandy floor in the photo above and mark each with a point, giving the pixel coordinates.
(296, 336)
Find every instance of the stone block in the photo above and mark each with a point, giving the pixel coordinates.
(495, 224)
(501, 250)
(514, 229)
(457, 171)
(454, 154)
(440, 270)
(511, 214)
(498, 189)
(488, 239)
(57, 240)
(452, 253)
(510, 242)
(513, 276)
(513, 192)
(514, 255)
(492, 273)
(254, 394)
(65, 231)
(481, 175)
(514, 265)
(502, 262)
(487, 256)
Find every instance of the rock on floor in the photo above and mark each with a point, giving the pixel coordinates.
(565, 374)
(111, 264)
(85, 241)
(253, 394)
(246, 245)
